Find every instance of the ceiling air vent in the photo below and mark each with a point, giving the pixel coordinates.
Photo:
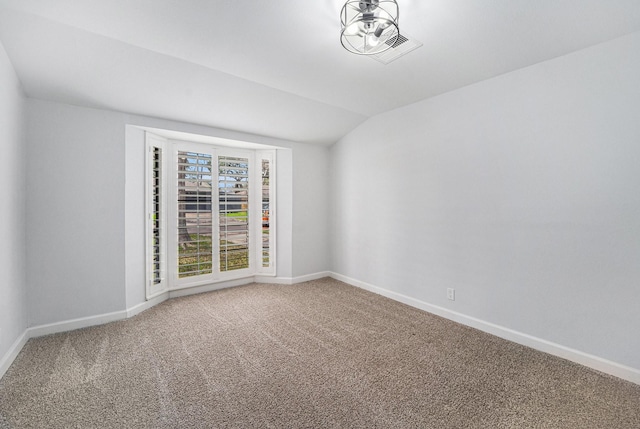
(403, 44)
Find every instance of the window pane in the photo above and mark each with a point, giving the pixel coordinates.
(233, 198)
(195, 254)
(266, 210)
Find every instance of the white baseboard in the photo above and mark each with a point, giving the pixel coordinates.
(70, 325)
(13, 352)
(595, 362)
(309, 277)
(273, 280)
(176, 293)
(54, 328)
(292, 280)
(85, 322)
(588, 360)
(152, 302)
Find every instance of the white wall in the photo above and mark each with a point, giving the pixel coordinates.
(13, 303)
(521, 192)
(75, 212)
(135, 262)
(311, 210)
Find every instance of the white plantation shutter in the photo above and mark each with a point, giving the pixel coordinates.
(267, 225)
(211, 214)
(194, 226)
(233, 193)
(156, 216)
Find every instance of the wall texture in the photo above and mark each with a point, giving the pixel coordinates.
(13, 291)
(521, 192)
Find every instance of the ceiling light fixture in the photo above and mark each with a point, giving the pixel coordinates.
(369, 26)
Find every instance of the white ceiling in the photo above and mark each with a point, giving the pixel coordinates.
(277, 68)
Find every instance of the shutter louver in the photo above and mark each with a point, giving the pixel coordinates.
(233, 196)
(155, 207)
(194, 226)
(266, 214)
(157, 218)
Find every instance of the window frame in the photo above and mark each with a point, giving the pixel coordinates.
(175, 281)
(170, 149)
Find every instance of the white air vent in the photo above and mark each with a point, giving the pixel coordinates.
(402, 45)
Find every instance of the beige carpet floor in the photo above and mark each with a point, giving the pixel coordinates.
(320, 354)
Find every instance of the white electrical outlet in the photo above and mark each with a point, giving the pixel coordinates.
(451, 294)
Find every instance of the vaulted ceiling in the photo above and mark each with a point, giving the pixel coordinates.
(277, 68)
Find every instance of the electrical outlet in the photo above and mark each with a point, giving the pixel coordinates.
(451, 294)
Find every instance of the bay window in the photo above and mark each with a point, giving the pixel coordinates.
(210, 214)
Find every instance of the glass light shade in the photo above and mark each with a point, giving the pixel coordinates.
(369, 26)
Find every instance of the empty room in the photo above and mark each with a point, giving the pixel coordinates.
(428, 214)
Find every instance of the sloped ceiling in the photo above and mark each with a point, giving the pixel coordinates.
(276, 68)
